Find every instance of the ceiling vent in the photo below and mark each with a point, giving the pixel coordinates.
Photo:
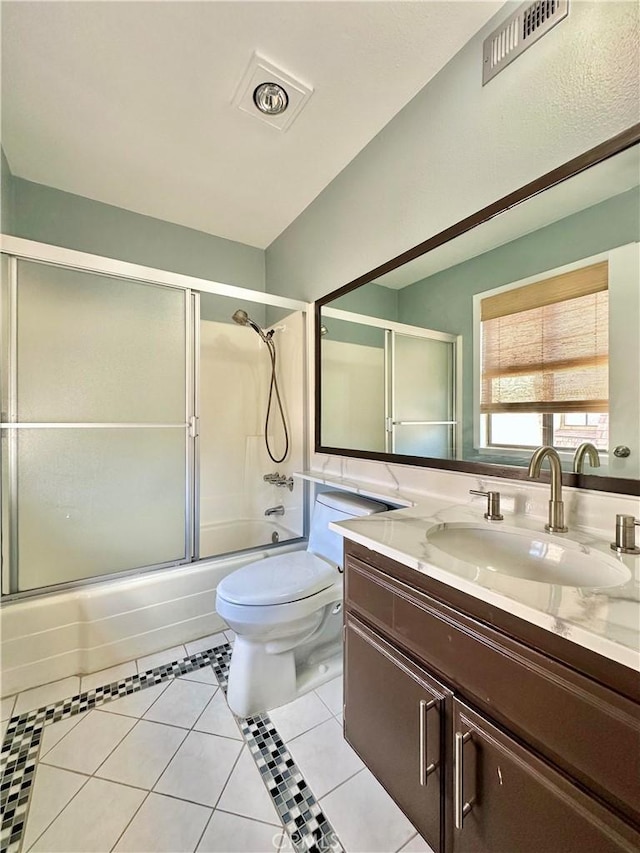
(522, 29)
(294, 94)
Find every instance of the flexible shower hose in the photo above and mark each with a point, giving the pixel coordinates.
(274, 386)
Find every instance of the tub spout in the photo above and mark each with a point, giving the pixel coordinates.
(274, 510)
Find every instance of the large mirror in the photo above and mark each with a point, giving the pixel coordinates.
(516, 328)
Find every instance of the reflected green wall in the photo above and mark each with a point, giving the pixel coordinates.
(444, 301)
(372, 299)
(353, 333)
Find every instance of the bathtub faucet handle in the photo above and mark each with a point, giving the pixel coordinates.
(279, 480)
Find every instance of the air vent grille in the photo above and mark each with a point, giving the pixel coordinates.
(522, 29)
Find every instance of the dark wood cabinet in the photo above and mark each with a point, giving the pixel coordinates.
(507, 800)
(395, 716)
(486, 743)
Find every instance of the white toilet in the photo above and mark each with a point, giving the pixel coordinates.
(287, 613)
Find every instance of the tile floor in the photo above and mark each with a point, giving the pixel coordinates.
(168, 768)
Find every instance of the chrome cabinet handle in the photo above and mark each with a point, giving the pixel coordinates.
(460, 808)
(425, 770)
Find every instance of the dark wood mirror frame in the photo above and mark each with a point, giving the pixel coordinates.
(596, 155)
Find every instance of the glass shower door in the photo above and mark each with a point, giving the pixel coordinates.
(421, 395)
(96, 405)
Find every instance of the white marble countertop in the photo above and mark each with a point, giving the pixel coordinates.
(604, 620)
(367, 490)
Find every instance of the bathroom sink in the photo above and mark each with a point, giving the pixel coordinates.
(528, 555)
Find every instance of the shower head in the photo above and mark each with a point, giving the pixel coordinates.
(243, 319)
(240, 317)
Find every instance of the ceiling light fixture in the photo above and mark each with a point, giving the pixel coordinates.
(270, 98)
(270, 94)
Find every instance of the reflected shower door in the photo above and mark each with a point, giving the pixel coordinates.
(421, 395)
(95, 433)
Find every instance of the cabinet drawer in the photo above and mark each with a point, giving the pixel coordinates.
(584, 728)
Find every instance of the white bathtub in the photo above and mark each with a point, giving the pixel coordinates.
(89, 628)
(230, 536)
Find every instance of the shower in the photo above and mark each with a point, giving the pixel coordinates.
(242, 319)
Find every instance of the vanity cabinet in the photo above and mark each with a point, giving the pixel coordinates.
(396, 724)
(485, 742)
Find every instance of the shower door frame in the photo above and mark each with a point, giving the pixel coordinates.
(391, 328)
(391, 333)
(14, 249)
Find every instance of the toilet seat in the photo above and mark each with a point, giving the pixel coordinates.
(269, 620)
(279, 580)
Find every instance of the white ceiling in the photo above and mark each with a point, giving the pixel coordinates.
(129, 103)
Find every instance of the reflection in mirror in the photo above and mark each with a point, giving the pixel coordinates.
(368, 385)
(520, 332)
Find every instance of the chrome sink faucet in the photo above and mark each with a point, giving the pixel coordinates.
(585, 449)
(556, 506)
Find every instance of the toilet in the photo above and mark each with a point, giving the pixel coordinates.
(286, 612)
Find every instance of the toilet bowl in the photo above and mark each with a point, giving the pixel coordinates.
(286, 612)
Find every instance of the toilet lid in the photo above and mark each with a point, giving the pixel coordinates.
(278, 580)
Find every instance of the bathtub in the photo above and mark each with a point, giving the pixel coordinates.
(98, 625)
(230, 536)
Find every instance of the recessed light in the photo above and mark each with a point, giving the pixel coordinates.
(270, 98)
(270, 94)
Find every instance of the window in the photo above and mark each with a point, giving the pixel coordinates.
(545, 362)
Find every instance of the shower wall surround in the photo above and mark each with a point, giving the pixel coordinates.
(234, 389)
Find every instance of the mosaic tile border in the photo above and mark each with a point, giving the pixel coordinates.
(299, 811)
(297, 807)
(21, 744)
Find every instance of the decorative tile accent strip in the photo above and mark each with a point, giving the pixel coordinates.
(21, 743)
(300, 812)
(220, 660)
(17, 780)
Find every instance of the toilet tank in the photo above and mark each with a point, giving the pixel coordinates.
(336, 506)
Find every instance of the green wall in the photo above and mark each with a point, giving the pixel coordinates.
(48, 215)
(6, 210)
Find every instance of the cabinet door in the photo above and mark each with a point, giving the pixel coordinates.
(506, 800)
(394, 719)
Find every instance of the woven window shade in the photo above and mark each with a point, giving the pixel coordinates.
(545, 346)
